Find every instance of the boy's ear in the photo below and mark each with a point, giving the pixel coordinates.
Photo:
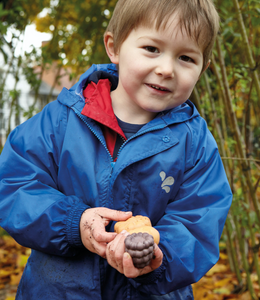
(109, 45)
(207, 65)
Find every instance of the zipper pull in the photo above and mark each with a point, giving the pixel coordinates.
(113, 164)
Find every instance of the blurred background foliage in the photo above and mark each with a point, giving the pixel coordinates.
(227, 95)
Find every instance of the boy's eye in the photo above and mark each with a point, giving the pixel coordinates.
(151, 49)
(186, 58)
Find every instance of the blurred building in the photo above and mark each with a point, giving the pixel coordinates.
(13, 114)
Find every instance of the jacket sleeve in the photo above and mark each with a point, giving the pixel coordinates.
(32, 209)
(193, 222)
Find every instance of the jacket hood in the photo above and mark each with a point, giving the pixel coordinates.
(79, 86)
(181, 113)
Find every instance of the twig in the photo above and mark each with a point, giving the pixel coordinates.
(245, 159)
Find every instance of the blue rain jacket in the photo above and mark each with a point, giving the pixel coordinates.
(56, 165)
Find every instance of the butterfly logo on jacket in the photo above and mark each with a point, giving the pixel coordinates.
(166, 182)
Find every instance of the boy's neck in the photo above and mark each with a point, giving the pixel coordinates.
(130, 114)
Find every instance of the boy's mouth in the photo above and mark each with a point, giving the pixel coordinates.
(159, 88)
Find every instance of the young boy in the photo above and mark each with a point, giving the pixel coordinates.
(112, 147)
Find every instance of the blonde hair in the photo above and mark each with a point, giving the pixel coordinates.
(198, 18)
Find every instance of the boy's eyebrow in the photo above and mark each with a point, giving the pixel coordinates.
(149, 37)
(195, 50)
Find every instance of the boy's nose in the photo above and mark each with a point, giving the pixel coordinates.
(165, 68)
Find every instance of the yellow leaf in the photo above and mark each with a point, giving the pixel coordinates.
(218, 268)
(254, 277)
(22, 260)
(246, 296)
(28, 251)
(222, 291)
(3, 253)
(200, 293)
(222, 282)
(222, 245)
(223, 256)
(15, 279)
(5, 273)
(10, 298)
(9, 241)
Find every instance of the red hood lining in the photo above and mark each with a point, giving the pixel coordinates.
(98, 106)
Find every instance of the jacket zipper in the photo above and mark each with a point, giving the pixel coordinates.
(112, 163)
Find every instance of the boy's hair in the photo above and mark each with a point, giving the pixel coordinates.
(198, 18)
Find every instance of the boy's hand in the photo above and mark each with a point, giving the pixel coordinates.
(92, 228)
(122, 261)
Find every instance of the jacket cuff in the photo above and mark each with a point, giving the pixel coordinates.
(72, 225)
(152, 276)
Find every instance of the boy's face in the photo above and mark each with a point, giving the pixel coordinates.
(157, 71)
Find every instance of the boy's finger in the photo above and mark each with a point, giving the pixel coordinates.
(104, 237)
(115, 215)
(158, 258)
(115, 251)
(100, 249)
(129, 270)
